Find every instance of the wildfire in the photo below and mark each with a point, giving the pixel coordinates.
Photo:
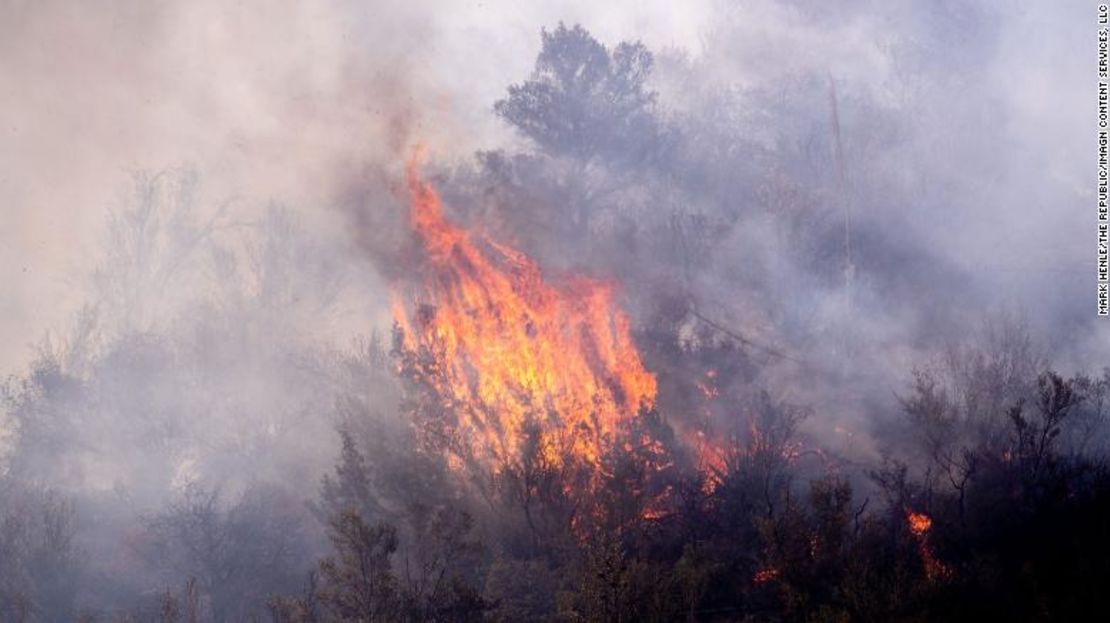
(708, 387)
(514, 353)
(919, 523)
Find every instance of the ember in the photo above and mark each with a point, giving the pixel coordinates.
(765, 575)
(919, 523)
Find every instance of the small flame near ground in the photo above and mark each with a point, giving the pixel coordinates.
(919, 525)
(517, 357)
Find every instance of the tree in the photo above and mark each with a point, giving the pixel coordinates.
(240, 554)
(592, 116)
(40, 566)
(358, 581)
(584, 101)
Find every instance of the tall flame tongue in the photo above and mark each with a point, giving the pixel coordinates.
(512, 351)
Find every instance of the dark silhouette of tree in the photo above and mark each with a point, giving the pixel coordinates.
(40, 565)
(357, 582)
(585, 101)
(239, 554)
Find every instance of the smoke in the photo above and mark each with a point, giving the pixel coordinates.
(962, 156)
(202, 211)
(293, 102)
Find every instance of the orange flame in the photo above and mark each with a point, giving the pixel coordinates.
(513, 351)
(919, 523)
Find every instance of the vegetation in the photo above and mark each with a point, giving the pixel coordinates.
(165, 461)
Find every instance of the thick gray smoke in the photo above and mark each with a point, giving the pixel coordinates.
(202, 211)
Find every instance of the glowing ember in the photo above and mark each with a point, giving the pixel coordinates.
(513, 352)
(709, 457)
(919, 523)
(765, 575)
(708, 387)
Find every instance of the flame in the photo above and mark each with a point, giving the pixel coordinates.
(708, 387)
(919, 523)
(710, 457)
(513, 351)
